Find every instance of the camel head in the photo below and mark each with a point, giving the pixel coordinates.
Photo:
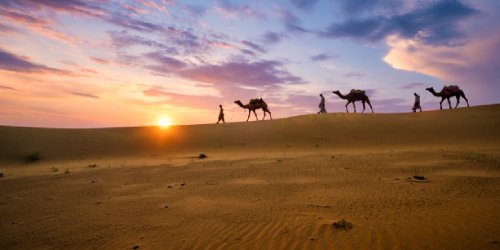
(238, 102)
(336, 92)
(430, 89)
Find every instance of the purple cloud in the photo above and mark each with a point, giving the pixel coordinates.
(260, 73)
(356, 6)
(354, 74)
(229, 9)
(70, 6)
(135, 24)
(272, 37)
(100, 60)
(322, 57)
(8, 88)
(435, 24)
(12, 62)
(124, 39)
(254, 46)
(187, 40)
(195, 10)
(84, 95)
(164, 64)
(293, 23)
(306, 5)
(7, 29)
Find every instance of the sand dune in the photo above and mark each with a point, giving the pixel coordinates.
(265, 185)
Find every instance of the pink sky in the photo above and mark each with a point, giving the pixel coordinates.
(75, 63)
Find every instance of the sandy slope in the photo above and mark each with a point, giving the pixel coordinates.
(265, 185)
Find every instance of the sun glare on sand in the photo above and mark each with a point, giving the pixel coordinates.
(164, 122)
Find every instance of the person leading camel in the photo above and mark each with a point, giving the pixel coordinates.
(322, 105)
(221, 115)
(416, 105)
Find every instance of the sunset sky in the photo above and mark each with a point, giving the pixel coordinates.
(79, 63)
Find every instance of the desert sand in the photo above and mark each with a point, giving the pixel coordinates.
(277, 184)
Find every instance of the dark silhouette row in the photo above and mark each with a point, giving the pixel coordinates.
(353, 96)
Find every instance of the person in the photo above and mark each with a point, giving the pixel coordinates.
(221, 115)
(416, 105)
(322, 105)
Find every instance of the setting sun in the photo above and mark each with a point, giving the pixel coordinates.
(164, 122)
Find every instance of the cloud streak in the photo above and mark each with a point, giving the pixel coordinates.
(12, 62)
(259, 73)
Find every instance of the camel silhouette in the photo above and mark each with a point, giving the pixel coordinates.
(447, 92)
(253, 105)
(353, 96)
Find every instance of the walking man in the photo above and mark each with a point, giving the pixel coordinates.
(416, 105)
(322, 105)
(221, 115)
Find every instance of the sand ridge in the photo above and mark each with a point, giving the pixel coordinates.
(269, 185)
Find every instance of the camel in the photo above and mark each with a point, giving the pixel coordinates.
(447, 92)
(353, 96)
(253, 105)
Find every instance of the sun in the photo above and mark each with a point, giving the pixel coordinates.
(164, 122)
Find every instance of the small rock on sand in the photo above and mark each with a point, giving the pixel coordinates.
(135, 247)
(342, 224)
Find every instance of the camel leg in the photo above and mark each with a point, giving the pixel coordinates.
(248, 115)
(463, 96)
(369, 104)
(264, 117)
(354, 105)
(346, 109)
(449, 102)
(256, 115)
(458, 101)
(363, 102)
(269, 114)
(441, 103)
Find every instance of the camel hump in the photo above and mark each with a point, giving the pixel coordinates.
(256, 100)
(358, 91)
(451, 87)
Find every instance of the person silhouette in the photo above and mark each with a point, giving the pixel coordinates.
(322, 105)
(221, 115)
(416, 105)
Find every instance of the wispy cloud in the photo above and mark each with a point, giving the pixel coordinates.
(164, 64)
(8, 88)
(12, 62)
(84, 94)
(322, 57)
(229, 9)
(259, 73)
(254, 46)
(271, 37)
(305, 5)
(354, 74)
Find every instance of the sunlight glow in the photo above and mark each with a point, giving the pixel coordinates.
(164, 122)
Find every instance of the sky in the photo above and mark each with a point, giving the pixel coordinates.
(98, 63)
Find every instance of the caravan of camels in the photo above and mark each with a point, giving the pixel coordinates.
(360, 95)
